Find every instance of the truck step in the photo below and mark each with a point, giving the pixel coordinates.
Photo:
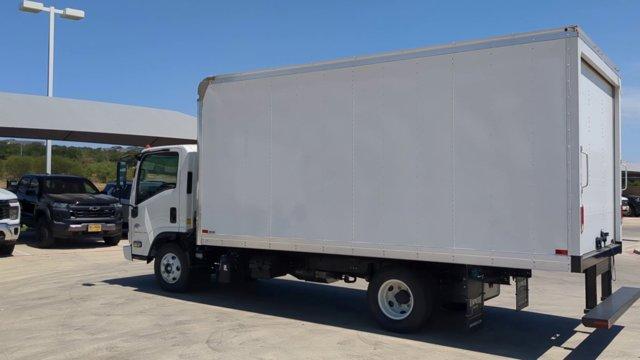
(607, 312)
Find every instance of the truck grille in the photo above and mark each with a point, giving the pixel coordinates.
(88, 212)
(4, 210)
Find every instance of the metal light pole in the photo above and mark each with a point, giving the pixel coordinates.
(67, 13)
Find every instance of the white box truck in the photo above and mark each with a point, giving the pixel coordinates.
(436, 174)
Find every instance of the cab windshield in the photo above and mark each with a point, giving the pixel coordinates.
(64, 185)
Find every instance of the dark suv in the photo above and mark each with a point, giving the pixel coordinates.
(65, 206)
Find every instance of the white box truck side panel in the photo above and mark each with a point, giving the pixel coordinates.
(311, 156)
(510, 149)
(455, 157)
(234, 159)
(403, 112)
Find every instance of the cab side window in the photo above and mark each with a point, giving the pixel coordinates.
(33, 187)
(23, 185)
(157, 173)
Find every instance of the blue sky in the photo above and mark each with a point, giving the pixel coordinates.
(154, 53)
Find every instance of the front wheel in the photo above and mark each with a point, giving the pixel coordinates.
(401, 300)
(171, 267)
(7, 249)
(44, 233)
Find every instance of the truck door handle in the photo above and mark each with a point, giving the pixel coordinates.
(173, 215)
(586, 168)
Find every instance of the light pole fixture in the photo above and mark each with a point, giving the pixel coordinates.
(67, 13)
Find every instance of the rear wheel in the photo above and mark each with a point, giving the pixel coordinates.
(112, 240)
(6, 249)
(171, 267)
(401, 300)
(44, 233)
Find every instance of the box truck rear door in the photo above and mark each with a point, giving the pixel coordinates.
(597, 120)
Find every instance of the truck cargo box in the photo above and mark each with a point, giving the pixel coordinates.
(501, 152)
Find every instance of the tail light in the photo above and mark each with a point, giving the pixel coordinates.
(581, 218)
(564, 252)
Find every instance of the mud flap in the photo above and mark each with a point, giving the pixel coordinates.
(522, 292)
(474, 300)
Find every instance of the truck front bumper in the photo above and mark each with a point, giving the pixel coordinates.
(9, 232)
(75, 229)
(126, 250)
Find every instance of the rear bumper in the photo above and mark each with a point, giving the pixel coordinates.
(600, 263)
(581, 263)
(67, 230)
(605, 315)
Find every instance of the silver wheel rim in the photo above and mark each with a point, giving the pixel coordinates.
(395, 299)
(170, 268)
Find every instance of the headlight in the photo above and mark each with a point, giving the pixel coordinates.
(60, 206)
(14, 212)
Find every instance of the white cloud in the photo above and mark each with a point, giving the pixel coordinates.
(630, 104)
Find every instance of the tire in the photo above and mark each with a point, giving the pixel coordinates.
(410, 296)
(112, 240)
(44, 233)
(632, 212)
(171, 268)
(6, 250)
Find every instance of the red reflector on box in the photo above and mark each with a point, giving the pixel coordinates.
(564, 252)
(205, 231)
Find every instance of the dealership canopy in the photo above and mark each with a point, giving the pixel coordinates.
(41, 117)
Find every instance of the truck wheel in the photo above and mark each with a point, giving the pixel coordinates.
(171, 267)
(44, 234)
(6, 250)
(401, 300)
(112, 240)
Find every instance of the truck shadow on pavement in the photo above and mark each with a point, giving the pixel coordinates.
(523, 334)
(29, 238)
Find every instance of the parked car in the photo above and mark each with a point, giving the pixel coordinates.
(9, 221)
(625, 206)
(65, 206)
(633, 201)
(122, 194)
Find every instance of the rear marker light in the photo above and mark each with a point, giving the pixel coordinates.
(581, 218)
(205, 231)
(564, 252)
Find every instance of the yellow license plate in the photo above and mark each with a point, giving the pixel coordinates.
(94, 228)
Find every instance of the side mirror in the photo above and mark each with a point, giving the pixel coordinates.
(121, 174)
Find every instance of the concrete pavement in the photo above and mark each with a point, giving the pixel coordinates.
(83, 300)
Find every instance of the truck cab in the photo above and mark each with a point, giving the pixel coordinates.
(162, 200)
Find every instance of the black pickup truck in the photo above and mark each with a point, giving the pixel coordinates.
(65, 206)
